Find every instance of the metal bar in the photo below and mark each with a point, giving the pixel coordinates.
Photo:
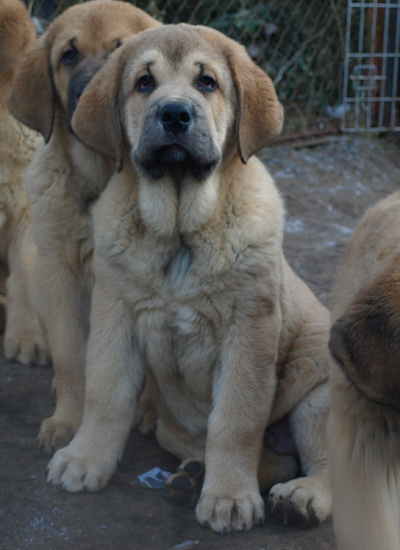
(360, 49)
(396, 68)
(373, 99)
(370, 5)
(372, 51)
(393, 129)
(346, 64)
(350, 55)
(384, 65)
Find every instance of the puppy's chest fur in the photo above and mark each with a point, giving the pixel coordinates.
(185, 289)
(181, 310)
(181, 301)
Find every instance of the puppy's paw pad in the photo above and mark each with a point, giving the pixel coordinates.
(180, 483)
(193, 467)
(183, 489)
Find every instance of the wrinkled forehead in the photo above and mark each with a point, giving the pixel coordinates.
(87, 29)
(173, 52)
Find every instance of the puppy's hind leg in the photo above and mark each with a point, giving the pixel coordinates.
(307, 499)
(146, 410)
(184, 487)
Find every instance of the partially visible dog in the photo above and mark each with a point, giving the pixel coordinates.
(364, 423)
(64, 180)
(191, 283)
(23, 339)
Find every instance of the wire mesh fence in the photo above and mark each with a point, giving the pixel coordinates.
(299, 43)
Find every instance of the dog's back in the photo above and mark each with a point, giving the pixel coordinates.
(17, 143)
(364, 423)
(17, 33)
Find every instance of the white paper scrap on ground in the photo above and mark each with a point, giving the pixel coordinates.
(154, 478)
(186, 544)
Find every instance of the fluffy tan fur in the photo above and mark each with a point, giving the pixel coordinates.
(64, 179)
(193, 288)
(364, 423)
(23, 339)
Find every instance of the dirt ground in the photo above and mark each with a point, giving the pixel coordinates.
(326, 190)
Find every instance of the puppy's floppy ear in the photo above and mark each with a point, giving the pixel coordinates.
(32, 95)
(259, 114)
(365, 341)
(96, 120)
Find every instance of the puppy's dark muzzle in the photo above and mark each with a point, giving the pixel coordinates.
(77, 84)
(176, 117)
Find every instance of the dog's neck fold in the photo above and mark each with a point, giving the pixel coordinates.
(170, 205)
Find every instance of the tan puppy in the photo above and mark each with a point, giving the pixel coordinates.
(64, 180)
(364, 424)
(23, 338)
(191, 282)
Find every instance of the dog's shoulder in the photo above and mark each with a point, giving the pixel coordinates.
(372, 246)
(253, 202)
(116, 218)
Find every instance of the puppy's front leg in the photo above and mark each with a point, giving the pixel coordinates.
(243, 393)
(64, 305)
(114, 375)
(24, 338)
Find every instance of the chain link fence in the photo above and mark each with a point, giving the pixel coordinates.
(299, 43)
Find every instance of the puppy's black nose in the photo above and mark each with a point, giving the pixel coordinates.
(175, 117)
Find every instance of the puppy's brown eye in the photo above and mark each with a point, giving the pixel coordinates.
(69, 57)
(207, 83)
(117, 43)
(145, 83)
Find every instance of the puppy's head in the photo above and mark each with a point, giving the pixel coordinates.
(17, 33)
(365, 341)
(54, 74)
(182, 96)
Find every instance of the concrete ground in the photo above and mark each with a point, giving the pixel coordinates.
(326, 190)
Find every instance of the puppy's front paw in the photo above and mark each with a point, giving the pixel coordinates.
(305, 500)
(145, 420)
(226, 513)
(25, 351)
(55, 433)
(76, 470)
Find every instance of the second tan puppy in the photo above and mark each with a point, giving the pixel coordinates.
(23, 338)
(364, 423)
(191, 282)
(64, 180)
